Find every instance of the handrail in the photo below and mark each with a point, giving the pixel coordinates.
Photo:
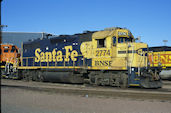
(26, 62)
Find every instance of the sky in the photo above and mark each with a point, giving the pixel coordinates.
(148, 19)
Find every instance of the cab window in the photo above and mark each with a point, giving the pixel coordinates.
(124, 40)
(5, 50)
(129, 40)
(13, 49)
(114, 40)
(120, 40)
(101, 43)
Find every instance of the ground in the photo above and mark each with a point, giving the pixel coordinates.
(19, 100)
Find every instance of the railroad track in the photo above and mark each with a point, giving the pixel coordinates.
(167, 82)
(163, 94)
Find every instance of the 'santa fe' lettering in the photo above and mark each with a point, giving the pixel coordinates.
(54, 56)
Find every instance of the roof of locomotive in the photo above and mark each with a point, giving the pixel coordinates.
(7, 46)
(160, 48)
(86, 35)
(109, 32)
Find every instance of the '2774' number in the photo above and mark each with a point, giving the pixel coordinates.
(102, 52)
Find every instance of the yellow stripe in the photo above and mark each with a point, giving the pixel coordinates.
(134, 85)
(2, 66)
(107, 68)
(69, 67)
(136, 73)
(164, 67)
(15, 77)
(50, 67)
(3, 75)
(136, 79)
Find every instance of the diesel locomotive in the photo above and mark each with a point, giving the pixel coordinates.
(160, 57)
(109, 57)
(9, 58)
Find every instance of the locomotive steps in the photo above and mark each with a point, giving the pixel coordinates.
(163, 94)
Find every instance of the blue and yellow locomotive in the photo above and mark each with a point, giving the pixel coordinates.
(108, 57)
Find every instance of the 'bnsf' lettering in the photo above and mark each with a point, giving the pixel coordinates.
(56, 55)
(163, 58)
(103, 63)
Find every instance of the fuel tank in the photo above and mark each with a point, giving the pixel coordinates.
(61, 75)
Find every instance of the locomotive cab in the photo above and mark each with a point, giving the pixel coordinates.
(9, 53)
(116, 51)
(9, 60)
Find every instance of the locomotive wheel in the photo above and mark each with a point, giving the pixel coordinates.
(3, 74)
(119, 79)
(26, 74)
(40, 77)
(146, 82)
(124, 81)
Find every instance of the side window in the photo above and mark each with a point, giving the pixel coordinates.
(120, 40)
(126, 40)
(132, 40)
(13, 49)
(114, 40)
(101, 43)
(6, 51)
(16, 51)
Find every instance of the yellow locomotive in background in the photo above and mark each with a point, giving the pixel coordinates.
(160, 57)
(108, 57)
